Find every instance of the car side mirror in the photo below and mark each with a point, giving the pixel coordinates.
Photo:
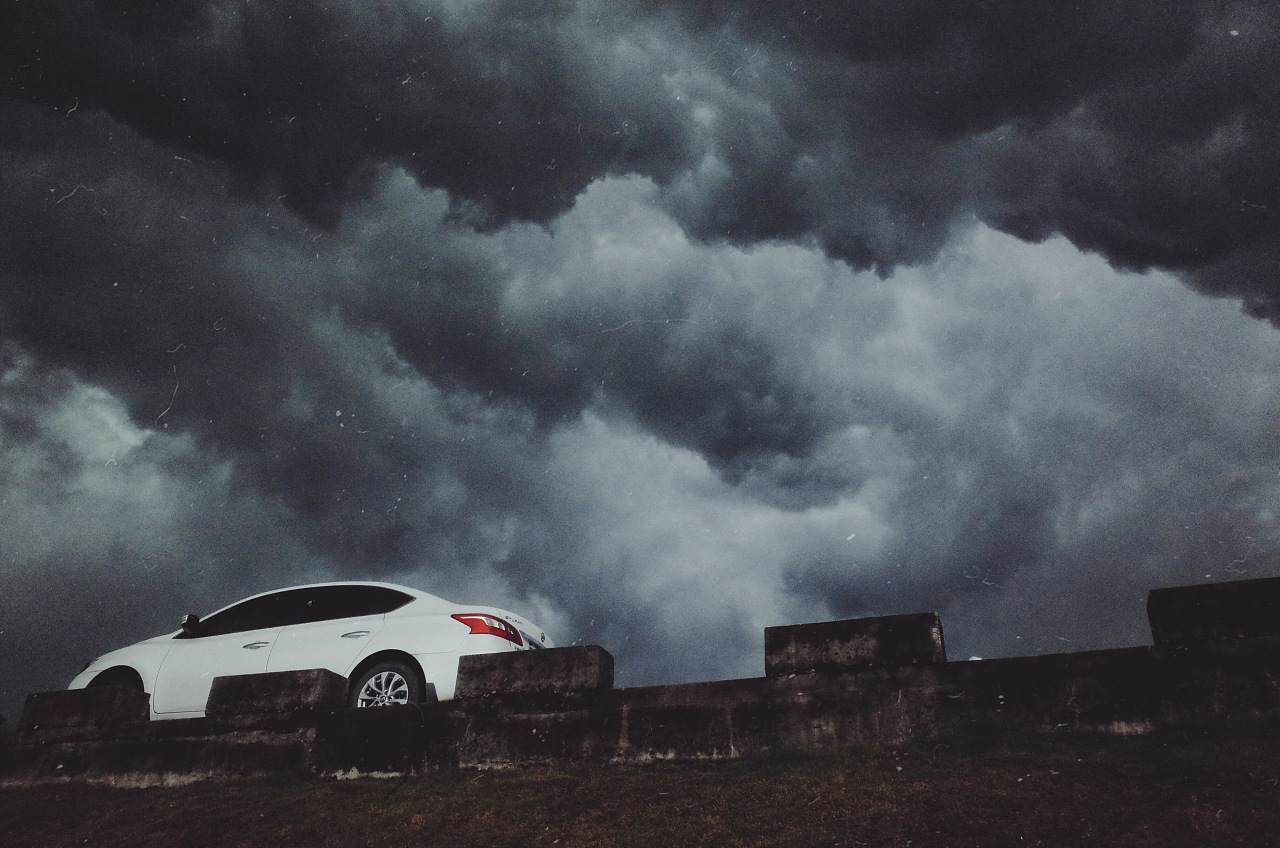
(190, 624)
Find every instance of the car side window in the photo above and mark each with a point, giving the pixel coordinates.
(300, 606)
(254, 614)
(306, 605)
(326, 603)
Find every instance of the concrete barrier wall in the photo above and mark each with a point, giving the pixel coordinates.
(854, 645)
(550, 671)
(94, 707)
(828, 684)
(274, 693)
(1233, 621)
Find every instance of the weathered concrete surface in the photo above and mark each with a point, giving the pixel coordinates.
(142, 753)
(713, 720)
(1125, 690)
(150, 760)
(95, 706)
(1236, 620)
(584, 668)
(276, 692)
(381, 740)
(854, 645)
(530, 728)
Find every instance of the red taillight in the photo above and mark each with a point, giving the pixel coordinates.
(484, 624)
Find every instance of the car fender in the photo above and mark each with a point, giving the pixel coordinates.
(144, 657)
(434, 634)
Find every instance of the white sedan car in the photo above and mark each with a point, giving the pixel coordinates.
(388, 641)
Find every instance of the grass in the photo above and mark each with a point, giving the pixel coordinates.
(1207, 784)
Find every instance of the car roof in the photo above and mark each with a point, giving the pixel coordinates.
(418, 595)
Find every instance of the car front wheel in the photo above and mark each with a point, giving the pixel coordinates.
(386, 683)
(126, 677)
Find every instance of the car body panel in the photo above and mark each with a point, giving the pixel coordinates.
(177, 669)
(335, 645)
(186, 675)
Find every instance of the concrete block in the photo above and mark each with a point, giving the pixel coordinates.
(1084, 689)
(95, 706)
(397, 738)
(276, 692)
(1240, 619)
(518, 730)
(676, 732)
(584, 668)
(857, 644)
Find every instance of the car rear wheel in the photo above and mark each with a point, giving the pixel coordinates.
(386, 683)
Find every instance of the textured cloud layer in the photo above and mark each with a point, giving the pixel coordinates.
(1143, 132)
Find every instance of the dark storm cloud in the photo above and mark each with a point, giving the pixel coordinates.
(957, 68)
(1146, 133)
(219, 319)
(1143, 132)
(494, 102)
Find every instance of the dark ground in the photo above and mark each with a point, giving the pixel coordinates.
(1204, 784)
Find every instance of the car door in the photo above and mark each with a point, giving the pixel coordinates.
(338, 622)
(237, 640)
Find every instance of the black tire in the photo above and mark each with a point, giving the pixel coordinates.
(126, 677)
(384, 684)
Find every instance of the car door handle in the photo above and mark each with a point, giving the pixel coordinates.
(355, 634)
(253, 646)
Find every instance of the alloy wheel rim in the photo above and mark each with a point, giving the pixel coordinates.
(386, 687)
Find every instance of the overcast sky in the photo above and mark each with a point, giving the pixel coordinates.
(659, 322)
